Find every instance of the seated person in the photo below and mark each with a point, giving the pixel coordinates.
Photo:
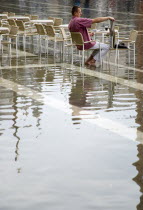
(78, 24)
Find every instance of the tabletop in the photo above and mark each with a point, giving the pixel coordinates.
(1, 15)
(17, 17)
(64, 25)
(4, 30)
(41, 21)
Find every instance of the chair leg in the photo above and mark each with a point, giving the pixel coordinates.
(134, 52)
(72, 55)
(129, 52)
(54, 48)
(64, 52)
(83, 58)
(47, 46)
(16, 47)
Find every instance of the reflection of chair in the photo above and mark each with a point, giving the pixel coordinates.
(77, 39)
(12, 35)
(131, 40)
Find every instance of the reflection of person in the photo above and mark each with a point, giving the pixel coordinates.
(78, 24)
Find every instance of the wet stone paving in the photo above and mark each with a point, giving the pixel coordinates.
(71, 137)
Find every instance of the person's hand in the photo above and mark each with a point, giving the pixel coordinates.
(111, 18)
(91, 34)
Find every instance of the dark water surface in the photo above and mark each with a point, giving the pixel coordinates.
(70, 139)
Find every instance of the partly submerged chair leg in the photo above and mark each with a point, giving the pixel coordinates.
(72, 56)
(83, 58)
(134, 52)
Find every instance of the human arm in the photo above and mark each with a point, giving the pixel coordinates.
(102, 19)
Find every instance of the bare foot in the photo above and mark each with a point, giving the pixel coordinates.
(91, 62)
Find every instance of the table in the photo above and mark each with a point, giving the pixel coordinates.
(17, 17)
(3, 15)
(41, 21)
(102, 33)
(4, 30)
(64, 26)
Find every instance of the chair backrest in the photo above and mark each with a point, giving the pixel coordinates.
(4, 17)
(116, 28)
(11, 14)
(52, 18)
(77, 38)
(5, 13)
(13, 31)
(40, 29)
(50, 31)
(5, 25)
(63, 33)
(27, 15)
(20, 24)
(11, 22)
(133, 35)
(58, 21)
(93, 26)
(34, 17)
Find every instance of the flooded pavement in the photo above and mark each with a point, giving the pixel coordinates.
(71, 137)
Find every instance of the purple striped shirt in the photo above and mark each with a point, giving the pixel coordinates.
(78, 24)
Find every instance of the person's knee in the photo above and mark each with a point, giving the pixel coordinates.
(107, 46)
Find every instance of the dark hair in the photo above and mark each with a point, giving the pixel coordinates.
(74, 9)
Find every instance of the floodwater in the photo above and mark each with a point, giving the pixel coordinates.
(71, 137)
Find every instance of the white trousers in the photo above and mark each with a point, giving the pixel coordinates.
(100, 50)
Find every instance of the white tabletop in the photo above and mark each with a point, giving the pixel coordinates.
(1, 15)
(41, 21)
(17, 17)
(64, 25)
(4, 30)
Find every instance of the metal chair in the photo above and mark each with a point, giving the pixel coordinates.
(11, 35)
(131, 40)
(34, 17)
(77, 40)
(52, 18)
(41, 33)
(53, 36)
(24, 31)
(11, 14)
(12, 22)
(57, 23)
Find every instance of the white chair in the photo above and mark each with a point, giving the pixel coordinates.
(129, 42)
(12, 35)
(41, 33)
(77, 40)
(53, 36)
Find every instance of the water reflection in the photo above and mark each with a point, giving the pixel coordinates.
(139, 178)
(21, 118)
